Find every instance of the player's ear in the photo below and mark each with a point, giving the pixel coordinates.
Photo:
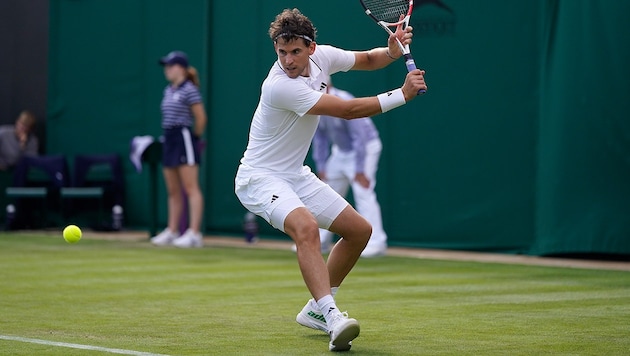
(311, 48)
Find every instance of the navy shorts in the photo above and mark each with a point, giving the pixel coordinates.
(180, 147)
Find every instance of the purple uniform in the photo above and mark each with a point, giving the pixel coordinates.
(180, 145)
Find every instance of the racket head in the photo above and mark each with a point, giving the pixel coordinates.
(388, 11)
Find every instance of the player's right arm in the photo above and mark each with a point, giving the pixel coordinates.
(369, 106)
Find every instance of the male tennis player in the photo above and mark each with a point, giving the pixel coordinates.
(272, 180)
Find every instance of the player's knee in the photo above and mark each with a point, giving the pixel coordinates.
(365, 231)
(308, 240)
(308, 231)
(361, 232)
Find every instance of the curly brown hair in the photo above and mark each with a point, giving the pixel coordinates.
(291, 24)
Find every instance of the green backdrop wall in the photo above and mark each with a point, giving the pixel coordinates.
(583, 171)
(105, 83)
(521, 145)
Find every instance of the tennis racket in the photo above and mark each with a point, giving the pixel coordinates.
(387, 13)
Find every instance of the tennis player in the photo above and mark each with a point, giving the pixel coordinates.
(272, 180)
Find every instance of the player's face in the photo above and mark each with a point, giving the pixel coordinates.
(294, 56)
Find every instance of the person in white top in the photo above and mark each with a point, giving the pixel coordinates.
(272, 180)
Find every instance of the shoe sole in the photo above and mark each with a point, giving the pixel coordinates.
(343, 341)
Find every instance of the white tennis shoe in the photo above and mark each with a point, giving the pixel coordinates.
(342, 330)
(189, 239)
(164, 238)
(312, 317)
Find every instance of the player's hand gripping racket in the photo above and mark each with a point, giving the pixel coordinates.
(387, 13)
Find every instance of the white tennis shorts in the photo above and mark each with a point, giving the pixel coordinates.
(273, 196)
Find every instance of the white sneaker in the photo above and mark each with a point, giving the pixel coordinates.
(189, 239)
(164, 238)
(312, 317)
(373, 251)
(342, 331)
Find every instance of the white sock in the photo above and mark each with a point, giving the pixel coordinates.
(328, 307)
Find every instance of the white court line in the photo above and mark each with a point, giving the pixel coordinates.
(78, 346)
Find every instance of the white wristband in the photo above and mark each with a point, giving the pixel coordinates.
(391, 100)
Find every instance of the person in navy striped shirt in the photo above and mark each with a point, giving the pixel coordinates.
(183, 123)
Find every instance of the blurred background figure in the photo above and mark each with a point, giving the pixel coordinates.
(250, 227)
(18, 140)
(183, 123)
(346, 153)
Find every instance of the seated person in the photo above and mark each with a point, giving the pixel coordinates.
(18, 140)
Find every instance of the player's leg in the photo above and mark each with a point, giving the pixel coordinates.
(355, 232)
(325, 205)
(333, 212)
(302, 227)
(341, 186)
(339, 181)
(275, 199)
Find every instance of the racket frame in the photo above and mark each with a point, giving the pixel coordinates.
(409, 61)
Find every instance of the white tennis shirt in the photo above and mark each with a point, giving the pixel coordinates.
(280, 133)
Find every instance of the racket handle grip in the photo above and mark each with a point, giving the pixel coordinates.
(411, 65)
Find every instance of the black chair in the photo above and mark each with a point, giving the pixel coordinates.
(95, 177)
(37, 182)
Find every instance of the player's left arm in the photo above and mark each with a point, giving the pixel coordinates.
(378, 58)
(332, 105)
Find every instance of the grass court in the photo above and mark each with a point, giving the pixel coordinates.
(102, 297)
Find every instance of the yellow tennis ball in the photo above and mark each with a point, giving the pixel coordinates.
(72, 234)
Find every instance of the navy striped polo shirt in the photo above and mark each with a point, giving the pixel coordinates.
(176, 104)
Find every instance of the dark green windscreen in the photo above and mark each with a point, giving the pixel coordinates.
(522, 143)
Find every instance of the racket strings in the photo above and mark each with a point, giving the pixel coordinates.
(387, 10)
